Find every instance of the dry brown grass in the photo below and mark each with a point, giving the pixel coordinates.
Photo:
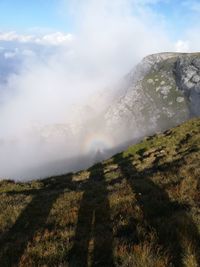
(140, 208)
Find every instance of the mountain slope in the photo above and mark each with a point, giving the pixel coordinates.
(139, 208)
(159, 93)
(162, 91)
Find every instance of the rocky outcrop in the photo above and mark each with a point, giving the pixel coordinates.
(161, 92)
(187, 73)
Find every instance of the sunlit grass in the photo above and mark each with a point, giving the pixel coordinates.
(140, 208)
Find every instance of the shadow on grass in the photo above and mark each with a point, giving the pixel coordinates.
(166, 217)
(93, 239)
(33, 218)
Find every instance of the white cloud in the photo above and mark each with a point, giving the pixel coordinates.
(56, 38)
(190, 41)
(182, 46)
(109, 40)
(13, 36)
(193, 37)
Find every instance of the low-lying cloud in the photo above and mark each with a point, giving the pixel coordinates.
(56, 38)
(56, 86)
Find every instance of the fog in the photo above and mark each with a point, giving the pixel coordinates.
(53, 94)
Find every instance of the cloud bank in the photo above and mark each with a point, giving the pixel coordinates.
(56, 86)
(56, 38)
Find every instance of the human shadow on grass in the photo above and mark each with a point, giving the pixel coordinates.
(93, 240)
(166, 217)
(33, 218)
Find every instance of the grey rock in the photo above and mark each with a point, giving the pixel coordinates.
(161, 92)
(196, 79)
(187, 72)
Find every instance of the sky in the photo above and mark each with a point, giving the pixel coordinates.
(22, 15)
(61, 62)
(53, 15)
(180, 19)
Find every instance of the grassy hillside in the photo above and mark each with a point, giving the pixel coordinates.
(140, 208)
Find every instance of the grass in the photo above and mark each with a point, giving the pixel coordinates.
(140, 208)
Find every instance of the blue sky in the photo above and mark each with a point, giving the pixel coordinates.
(179, 14)
(23, 15)
(177, 21)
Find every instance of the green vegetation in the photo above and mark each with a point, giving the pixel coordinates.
(140, 208)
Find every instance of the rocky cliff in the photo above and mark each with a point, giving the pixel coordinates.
(159, 93)
(187, 74)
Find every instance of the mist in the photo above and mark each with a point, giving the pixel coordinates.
(53, 94)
